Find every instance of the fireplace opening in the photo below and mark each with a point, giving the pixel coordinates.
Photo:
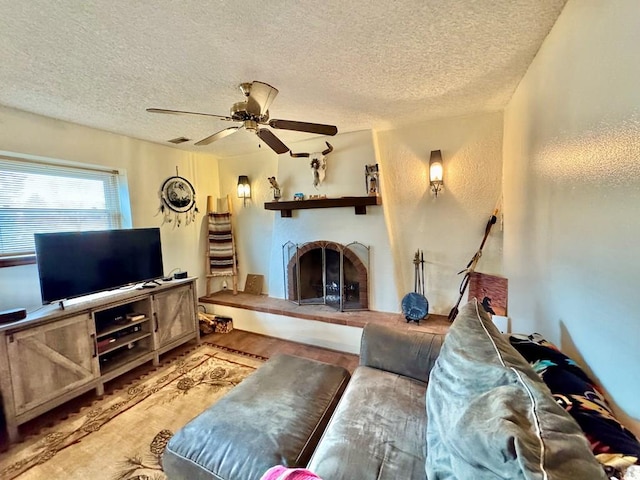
(327, 273)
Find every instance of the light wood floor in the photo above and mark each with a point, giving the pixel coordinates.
(247, 342)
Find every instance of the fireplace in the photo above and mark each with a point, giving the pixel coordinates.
(327, 273)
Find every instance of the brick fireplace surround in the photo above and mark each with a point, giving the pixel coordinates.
(360, 277)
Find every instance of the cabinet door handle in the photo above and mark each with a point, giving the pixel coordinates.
(93, 342)
(155, 317)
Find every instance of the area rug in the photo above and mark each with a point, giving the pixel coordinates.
(123, 435)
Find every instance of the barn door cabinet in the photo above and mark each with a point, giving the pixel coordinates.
(174, 311)
(57, 354)
(51, 362)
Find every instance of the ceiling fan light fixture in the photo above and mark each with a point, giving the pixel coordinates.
(238, 111)
(251, 125)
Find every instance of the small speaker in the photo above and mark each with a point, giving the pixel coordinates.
(180, 275)
(13, 315)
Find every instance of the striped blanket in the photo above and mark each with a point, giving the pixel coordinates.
(221, 249)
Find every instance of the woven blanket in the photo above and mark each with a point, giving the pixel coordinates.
(221, 251)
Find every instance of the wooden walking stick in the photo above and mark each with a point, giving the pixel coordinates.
(472, 265)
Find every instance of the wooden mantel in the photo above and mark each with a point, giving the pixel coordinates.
(359, 203)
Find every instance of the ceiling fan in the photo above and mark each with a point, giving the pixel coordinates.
(253, 112)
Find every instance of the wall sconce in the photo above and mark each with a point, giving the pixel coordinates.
(435, 172)
(244, 189)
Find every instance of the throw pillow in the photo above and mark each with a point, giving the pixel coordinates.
(491, 417)
(612, 444)
(280, 472)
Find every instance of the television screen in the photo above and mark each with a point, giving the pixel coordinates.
(71, 264)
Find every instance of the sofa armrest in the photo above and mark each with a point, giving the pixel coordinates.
(409, 353)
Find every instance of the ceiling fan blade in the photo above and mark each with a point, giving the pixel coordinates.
(304, 127)
(260, 97)
(274, 142)
(182, 112)
(217, 136)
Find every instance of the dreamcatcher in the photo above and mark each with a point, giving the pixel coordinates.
(177, 201)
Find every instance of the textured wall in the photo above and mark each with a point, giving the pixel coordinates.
(147, 166)
(252, 223)
(345, 177)
(449, 228)
(572, 193)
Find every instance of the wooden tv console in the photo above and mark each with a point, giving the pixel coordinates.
(57, 354)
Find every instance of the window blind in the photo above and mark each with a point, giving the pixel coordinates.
(39, 197)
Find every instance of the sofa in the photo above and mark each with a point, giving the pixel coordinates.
(420, 406)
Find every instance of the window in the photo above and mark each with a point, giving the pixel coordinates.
(41, 197)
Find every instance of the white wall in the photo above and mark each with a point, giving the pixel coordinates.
(252, 223)
(344, 177)
(449, 229)
(328, 335)
(147, 165)
(572, 194)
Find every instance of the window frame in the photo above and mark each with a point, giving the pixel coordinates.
(29, 258)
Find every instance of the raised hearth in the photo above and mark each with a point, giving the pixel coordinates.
(323, 313)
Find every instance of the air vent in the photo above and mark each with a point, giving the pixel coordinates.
(179, 140)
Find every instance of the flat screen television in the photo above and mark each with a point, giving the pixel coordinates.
(72, 264)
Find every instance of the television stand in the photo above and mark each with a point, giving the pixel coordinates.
(57, 354)
(149, 284)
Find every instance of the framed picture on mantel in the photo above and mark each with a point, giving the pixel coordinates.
(372, 180)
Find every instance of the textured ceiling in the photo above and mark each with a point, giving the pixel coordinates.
(358, 65)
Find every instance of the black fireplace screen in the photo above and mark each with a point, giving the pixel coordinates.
(327, 273)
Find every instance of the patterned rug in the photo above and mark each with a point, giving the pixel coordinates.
(123, 435)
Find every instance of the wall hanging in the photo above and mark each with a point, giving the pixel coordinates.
(177, 201)
(471, 266)
(372, 179)
(318, 163)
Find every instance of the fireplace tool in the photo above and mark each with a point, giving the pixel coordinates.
(415, 305)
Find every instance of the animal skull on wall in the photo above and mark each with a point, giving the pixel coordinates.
(318, 163)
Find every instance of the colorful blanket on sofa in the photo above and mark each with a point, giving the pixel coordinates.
(612, 444)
